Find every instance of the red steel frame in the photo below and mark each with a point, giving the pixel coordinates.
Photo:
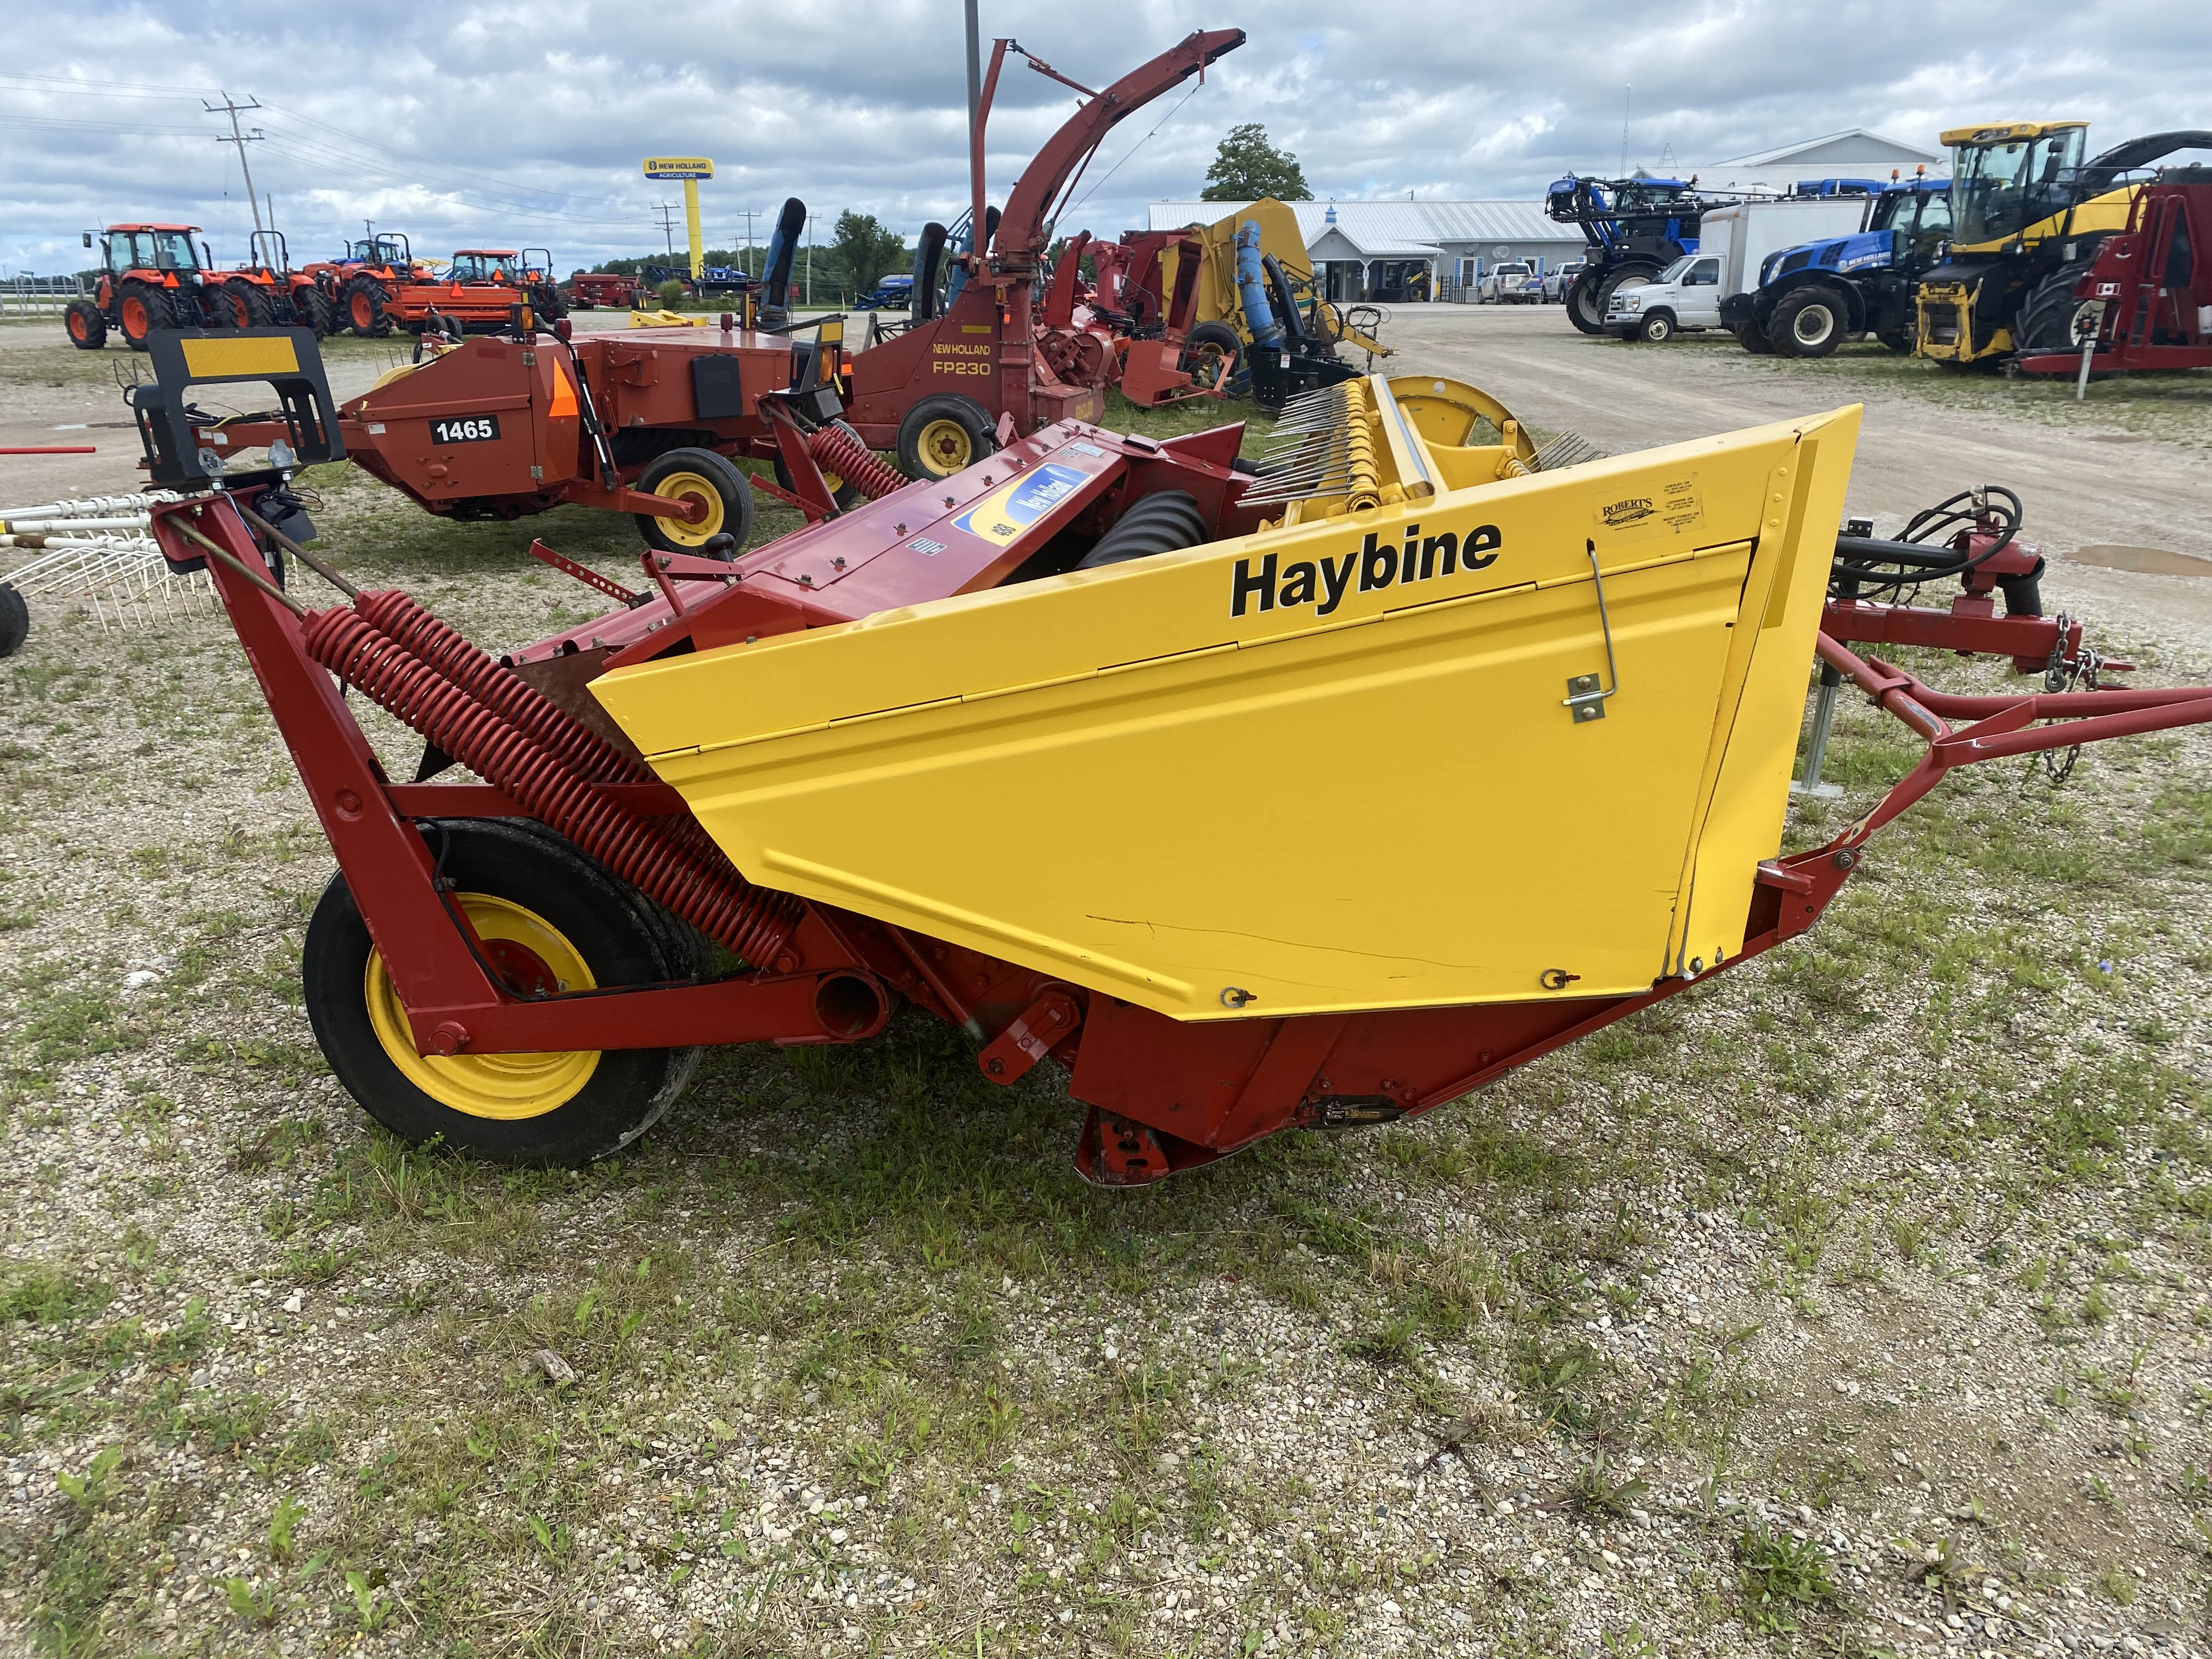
(986, 345)
(2150, 322)
(1163, 1095)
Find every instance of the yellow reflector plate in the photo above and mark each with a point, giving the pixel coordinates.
(216, 359)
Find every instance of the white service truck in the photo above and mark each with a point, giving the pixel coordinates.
(1733, 242)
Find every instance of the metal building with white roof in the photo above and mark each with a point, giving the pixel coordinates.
(1374, 250)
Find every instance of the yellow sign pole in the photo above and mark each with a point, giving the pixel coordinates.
(690, 169)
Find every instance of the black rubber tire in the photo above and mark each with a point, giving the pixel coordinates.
(1584, 309)
(156, 304)
(253, 301)
(310, 309)
(1656, 328)
(1808, 322)
(1163, 522)
(14, 620)
(545, 302)
(2046, 322)
(1213, 340)
(360, 308)
(624, 937)
(718, 470)
(966, 413)
(1899, 340)
(846, 495)
(88, 329)
(1752, 338)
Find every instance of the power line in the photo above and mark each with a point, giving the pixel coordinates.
(72, 82)
(667, 210)
(232, 108)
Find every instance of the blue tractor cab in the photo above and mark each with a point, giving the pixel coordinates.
(1812, 297)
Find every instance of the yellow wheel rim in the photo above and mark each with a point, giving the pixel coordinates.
(945, 447)
(490, 1085)
(691, 487)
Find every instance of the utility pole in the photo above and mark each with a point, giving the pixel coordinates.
(1627, 102)
(750, 214)
(809, 258)
(667, 210)
(231, 107)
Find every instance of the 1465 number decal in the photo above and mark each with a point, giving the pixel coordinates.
(464, 429)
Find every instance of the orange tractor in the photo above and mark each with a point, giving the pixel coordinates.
(380, 287)
(151, 276)
(266, 290)
(357, 283)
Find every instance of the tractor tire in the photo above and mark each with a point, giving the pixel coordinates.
(310, 309)
(846, 495)
(249, 305)
(15, 620)
(1808, 322)
(1752, 338)
(1212, 355)
(88, 329)
(942, 435)
(1585, 310)
(1656, 328)
(360, 308)
(1164, 522)
(140, 309)
(2046, 316)
(551, 919)
(701, 474)
(545, 302)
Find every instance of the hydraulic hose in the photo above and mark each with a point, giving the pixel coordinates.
(1252, 287)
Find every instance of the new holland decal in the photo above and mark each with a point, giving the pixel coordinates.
(1323, 582)
(1007, 512)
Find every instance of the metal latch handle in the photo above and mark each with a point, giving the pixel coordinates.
(1586, 697)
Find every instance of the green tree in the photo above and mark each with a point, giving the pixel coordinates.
(1246, 166)
(864, 249)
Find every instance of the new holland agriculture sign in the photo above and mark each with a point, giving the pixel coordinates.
(678, 166)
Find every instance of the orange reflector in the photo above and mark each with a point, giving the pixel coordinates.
(564, 394)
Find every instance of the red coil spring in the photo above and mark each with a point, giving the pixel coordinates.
(837, 448)
(751, 922)
(522, 706)
(506, 693)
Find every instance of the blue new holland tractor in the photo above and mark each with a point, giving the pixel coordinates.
(1812, 297)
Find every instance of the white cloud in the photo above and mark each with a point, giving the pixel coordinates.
(471, 122)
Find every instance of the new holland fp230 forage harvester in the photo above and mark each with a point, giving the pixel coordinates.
(1319, 796)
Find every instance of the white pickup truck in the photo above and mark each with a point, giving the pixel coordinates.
(1514, 282)
(1732, 243)
(1559, 279)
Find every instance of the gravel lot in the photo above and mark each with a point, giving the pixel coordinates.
(1856, 1303)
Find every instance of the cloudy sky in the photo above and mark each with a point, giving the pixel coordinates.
(468, 122)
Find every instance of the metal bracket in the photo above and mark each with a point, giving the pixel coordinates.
(1586, 696)
(1039, 1028)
